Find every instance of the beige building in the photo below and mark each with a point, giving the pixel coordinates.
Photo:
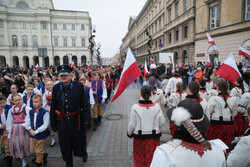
(179, 27)
(228, 22)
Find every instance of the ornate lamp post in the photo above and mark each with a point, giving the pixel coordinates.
(92, 43)
(149, 44)
(98, 54)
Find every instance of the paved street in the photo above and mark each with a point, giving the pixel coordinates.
(109, 146)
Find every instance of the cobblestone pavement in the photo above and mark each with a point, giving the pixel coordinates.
(109, 145)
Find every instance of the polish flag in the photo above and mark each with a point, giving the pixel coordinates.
(37, 67)
(145, 69)
(152, 60)
(244, 52)
(210, 39)
(208, 61)
(73, 65)
(129, 74)
(229, 70)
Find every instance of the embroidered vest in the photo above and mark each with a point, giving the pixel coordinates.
(39, 122)
(48, 98)
(31, 100)
(19, 118)
(99, 89)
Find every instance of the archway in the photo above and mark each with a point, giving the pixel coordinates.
(35, 60)
(2, 61)
(213, 52)
(74, 59)
(185, 57)
(15, 61)
(57, 61)
(65, 60)
(46, 61)
(175, 57)
(26, 62)
(83, 60)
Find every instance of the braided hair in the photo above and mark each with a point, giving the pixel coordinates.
(240, 84)
(194, 88)
(222, 85)
(179, 89)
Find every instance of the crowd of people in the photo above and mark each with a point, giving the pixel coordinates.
(31, 109)
(208, 117)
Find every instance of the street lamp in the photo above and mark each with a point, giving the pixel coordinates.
(92, 43)
(98, 54)
(149, 44)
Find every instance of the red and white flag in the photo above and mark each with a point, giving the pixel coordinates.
(210, 39)
(152, 60)
(208, 61)
(73, 65)
(153, 48)
(145, 69)
(244, 52)
(129, 74)
(229, 70)
(37, 67)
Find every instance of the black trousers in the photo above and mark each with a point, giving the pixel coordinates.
(109, 93)
(71, 140)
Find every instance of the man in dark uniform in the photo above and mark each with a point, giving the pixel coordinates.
(69, 109)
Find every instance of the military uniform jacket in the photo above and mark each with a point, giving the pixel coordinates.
(69, 100)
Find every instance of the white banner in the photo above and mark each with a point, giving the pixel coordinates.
(166, 58)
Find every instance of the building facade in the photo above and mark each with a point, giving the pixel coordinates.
(180, 26)
(33, 32)
(228, 22)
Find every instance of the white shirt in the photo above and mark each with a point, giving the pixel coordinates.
(3, 118)
(42, 128)
(171, 86)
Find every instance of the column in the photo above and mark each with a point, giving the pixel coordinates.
(61, 60)
(41, 61)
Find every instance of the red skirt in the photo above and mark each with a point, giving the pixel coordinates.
(241, 124)
(224, 132)
(172, 128)
(144, 151)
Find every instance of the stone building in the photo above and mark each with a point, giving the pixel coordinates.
(33, 32)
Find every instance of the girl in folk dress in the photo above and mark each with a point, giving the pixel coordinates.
(19, 136)
(221, 110)
(144, 126)
(47, 97)
(13, 90)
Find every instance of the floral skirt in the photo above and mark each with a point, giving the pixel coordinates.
(224, 132)
(241, 124)
(19, 142)
(144, 151)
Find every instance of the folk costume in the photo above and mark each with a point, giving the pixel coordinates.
(38, 120)
(28, 100)
(242, 122)
(69, 102)
(144, 126)
(188, 146)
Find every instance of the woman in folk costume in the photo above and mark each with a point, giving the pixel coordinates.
(189, 146)
(174, 100)
(243, 122)
(203, 90)
(240, 155)
(144, 126)
(209, 83)
(221, 111)
(19, 136)
(237, 92)
(157, 95)
(47, 97)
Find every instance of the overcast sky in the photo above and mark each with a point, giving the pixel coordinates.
(111, 18)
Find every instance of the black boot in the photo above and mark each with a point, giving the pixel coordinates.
(69, 164)
(99, 120)
(9, 161)
(95, 124)
(85, 157)
(45, 156)
(38, 164)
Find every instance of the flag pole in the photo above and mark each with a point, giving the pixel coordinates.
(213, 49)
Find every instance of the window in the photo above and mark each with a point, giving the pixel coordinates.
(22, 5)
(24, 25)
(160, 24)
(185, 3)
(14, 40)
(160, 5)
(65, 42)
(13, 25)
(155, 10)
(55, 26)
(156, 28)
(177, 35)
(73, 42)
(177, 9)
(169, 15)
(25, 40)
(55, 42)
(247, 9)
(214, 17)
(34, 41)
(33, 26)
(73, 27)
(169, 38)
(44, 25)
(83, 42)
(185, 32)
(64, 27)
(82, 26)
(1, 24)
